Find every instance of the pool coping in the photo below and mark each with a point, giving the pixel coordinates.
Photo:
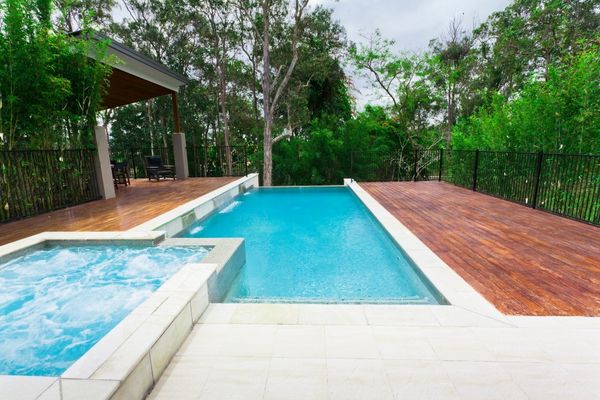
(449, 283)
(127, 361)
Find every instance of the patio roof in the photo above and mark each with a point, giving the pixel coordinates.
(136, 77)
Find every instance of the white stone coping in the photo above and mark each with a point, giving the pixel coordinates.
(179, 218)
(129, 360)
(450, 284)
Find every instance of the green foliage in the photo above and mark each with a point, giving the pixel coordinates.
(560, 114)
(50, 90)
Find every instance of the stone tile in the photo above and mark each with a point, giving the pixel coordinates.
(456, 316)
(199, 303)
(230, 340)
(52, 393)
(236, 378)
(548, 381)
(402, 343)
(89, 389)
(509, 344)
(349, 379)
(586, 375)
(184, 379)
(297, 378)
(23, 387)
(265, 314)
(482, 380)
(457, 344)
(331, 314)
(138, 383)
(416, 379)
(128, 355)
(350, 342)
(400, 315)
(170, 341)
(300, 341)
(218, 313)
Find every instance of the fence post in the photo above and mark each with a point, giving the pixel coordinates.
(132, 163)
(415, 166)
(441, 165)
(475, 167)
(245, 161)
(536, 178)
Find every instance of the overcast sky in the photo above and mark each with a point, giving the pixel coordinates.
(411, 23)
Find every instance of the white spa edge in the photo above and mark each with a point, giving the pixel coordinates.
(129, 359)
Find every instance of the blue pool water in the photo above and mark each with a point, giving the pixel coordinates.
(56, 303)
(313, 245)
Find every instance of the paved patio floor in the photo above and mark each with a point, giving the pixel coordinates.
(262, 351)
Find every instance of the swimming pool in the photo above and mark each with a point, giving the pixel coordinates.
(57, 302)
(318, 245)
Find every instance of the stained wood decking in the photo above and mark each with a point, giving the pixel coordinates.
(133, 205)
(524, 261)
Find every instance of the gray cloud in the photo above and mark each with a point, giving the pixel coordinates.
(411, 24)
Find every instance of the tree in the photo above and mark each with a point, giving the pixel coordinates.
(451, 72)
(50, 90)
(273, 83)
(406, 81)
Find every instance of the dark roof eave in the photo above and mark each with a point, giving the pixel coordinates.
(129, 52)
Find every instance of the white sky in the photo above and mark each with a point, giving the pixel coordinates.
(410, 23)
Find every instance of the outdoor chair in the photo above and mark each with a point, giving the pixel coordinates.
(155, 169)
(121, 173)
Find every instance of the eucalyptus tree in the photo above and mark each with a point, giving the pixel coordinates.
(265, 16)
(161, 30)
(450, 70)
(222, 34)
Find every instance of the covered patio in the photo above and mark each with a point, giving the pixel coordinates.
(136, 78)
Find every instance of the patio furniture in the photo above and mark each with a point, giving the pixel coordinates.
(156, 169)
(120, 172)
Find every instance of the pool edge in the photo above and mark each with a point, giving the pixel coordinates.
(450, 284)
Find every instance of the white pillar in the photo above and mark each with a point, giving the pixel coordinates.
(180, 152)
(102, 162)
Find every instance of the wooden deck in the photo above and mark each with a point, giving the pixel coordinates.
(524, 261)
(135, 204)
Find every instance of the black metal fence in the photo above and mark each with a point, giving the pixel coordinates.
(206, 161)
(37, 181)
(136, 158)
(563, 184)
(203, 161)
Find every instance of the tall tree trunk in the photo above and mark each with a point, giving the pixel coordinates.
(225, 116)
(266, 86)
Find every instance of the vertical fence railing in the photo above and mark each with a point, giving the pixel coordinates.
(37, 181)
(563, 184)
(136, 158)
(212, 161)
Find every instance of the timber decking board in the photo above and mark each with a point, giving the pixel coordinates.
(134, 205)
(524, 261)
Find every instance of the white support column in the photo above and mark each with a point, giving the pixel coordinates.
(180, 151)
(102, 162)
